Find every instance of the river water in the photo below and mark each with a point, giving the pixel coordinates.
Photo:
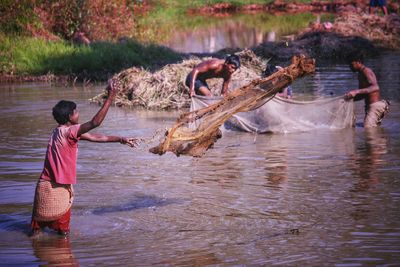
(319, 198)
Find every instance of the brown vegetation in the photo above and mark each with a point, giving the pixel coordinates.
(348, 34)
(382, 31)
(59, 79)
(166, 87)
(98, 20)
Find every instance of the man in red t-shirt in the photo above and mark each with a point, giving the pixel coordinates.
(60, 163)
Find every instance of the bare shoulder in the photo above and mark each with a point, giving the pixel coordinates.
(367, 70)
(210, 64)
(214, 61)
(369, 74)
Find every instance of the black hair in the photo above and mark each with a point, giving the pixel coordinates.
(356, 57)
(269, 70)
(233, 59)
(63, 110)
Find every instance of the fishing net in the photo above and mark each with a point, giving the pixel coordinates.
(196, 131)
(281, 115)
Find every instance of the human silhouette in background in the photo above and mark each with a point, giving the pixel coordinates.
(373, 4)
(80, 38)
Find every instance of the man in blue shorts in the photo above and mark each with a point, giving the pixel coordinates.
(378, 3)
(213, 68)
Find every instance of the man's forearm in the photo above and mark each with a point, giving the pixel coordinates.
(367, 90)
(193, 81)
(224, 88)
(101, 114)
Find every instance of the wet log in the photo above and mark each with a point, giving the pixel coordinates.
(184, 139)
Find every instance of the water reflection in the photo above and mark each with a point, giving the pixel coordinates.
(245, 31)
(278, 174)
(139, 202)
(53, 251)
(369, 157)
(193, 258)
(216, 37)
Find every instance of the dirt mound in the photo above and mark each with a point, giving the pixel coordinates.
(165, 88)
(349, 33)
(382, 31)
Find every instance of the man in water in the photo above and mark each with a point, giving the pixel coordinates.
(375, 108)
(213, 68)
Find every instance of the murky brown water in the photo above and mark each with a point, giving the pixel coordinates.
(315, 198)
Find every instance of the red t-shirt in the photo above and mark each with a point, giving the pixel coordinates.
(61, 155)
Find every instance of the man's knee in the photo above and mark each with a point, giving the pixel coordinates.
(204, 91)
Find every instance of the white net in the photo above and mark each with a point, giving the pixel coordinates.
(279, 115)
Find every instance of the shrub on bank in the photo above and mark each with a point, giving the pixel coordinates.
(99, 20)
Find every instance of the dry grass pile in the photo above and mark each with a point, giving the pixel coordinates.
(166, 89)
(383, 31)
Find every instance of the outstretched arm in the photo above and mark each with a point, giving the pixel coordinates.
(225, 86)
(101, 114)
(132, 142)
(195, 72)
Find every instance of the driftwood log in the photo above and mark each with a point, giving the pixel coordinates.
(185, 139)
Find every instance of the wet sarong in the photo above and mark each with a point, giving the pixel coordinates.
(51, 201)
(61, 224)
(375, 113)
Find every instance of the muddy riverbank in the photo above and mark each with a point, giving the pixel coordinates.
(348, 34)
(291, 7)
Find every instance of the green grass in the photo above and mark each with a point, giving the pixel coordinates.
(30, 56)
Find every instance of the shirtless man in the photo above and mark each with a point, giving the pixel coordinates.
(375, 108)
(213, 68)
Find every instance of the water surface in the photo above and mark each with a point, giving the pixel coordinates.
(314, 198)
(190, 33)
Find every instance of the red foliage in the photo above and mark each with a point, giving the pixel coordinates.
(96, 19)
(107, 20)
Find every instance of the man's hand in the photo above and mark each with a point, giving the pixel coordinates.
(351, 94)
(132, 142)
(192, 93)
(113, 86)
